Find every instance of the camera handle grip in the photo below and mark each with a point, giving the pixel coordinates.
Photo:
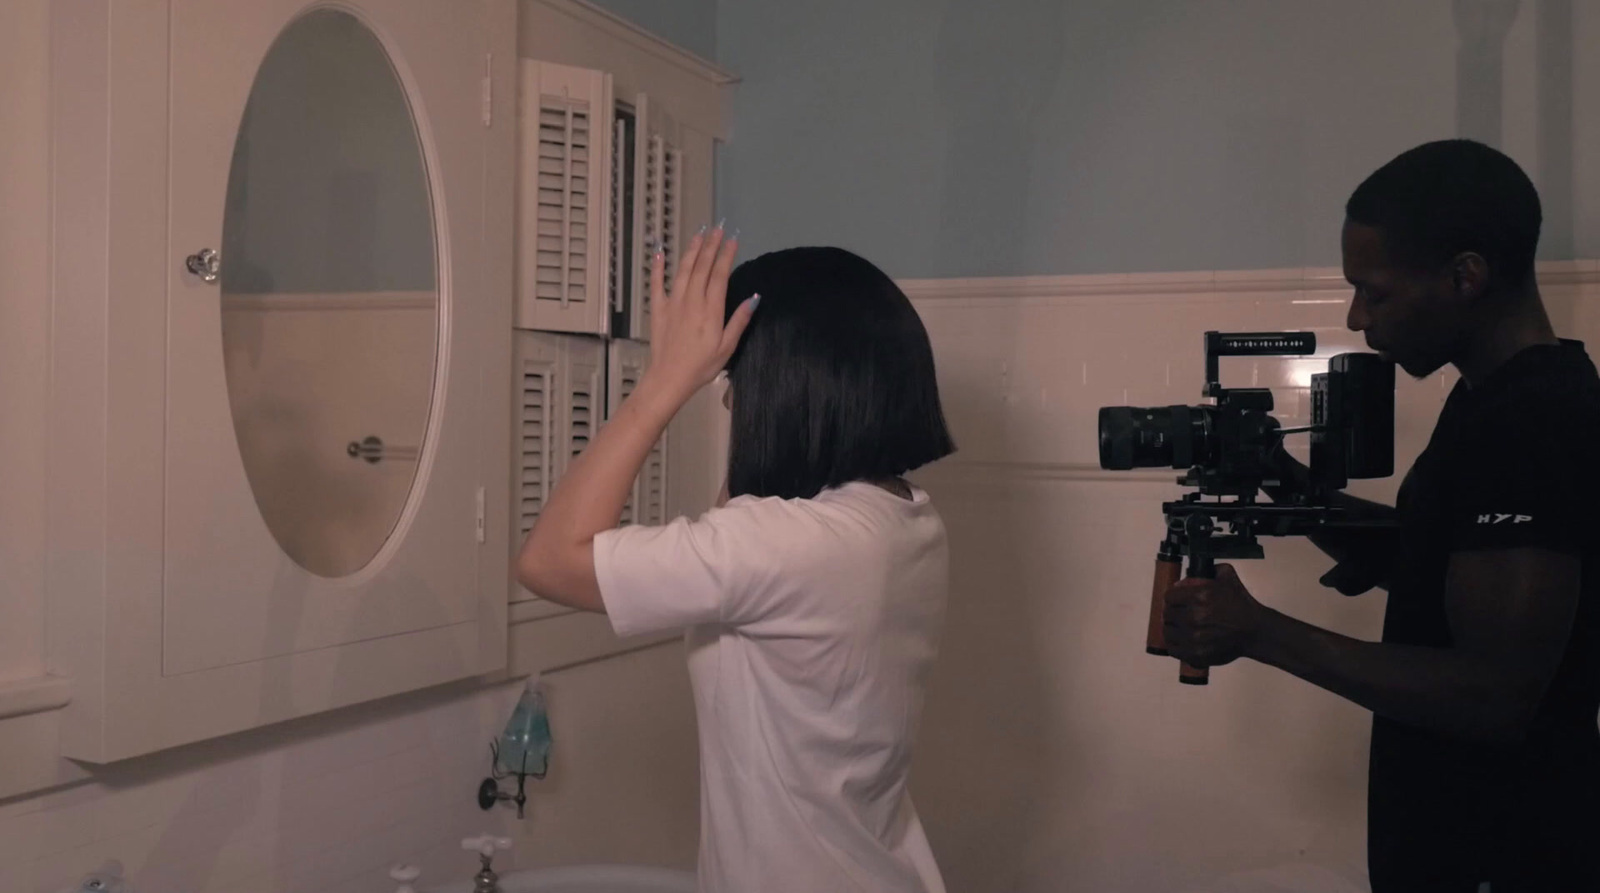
(1199, 566)
(1169, 567)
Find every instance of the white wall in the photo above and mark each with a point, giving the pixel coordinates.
(1011, 137)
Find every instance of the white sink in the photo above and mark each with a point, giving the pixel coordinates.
(588, 879)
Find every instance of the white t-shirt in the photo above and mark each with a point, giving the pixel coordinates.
(813, 624)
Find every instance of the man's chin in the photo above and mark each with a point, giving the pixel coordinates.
(1417, 369)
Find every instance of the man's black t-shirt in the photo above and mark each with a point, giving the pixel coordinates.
(1512, 463)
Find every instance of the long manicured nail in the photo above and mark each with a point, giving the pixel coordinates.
(735, 236)
(721, 223)
(702, 230)
(755, 301)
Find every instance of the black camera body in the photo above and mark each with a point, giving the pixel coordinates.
(1228, 446)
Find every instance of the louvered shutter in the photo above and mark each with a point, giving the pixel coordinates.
(564, 199)
(537, 360)
(647, 498)
(560, 380)
(585, 366)
(658, 178)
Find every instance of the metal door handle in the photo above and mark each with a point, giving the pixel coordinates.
(373, 449)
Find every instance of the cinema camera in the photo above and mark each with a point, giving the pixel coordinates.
(1231, 448)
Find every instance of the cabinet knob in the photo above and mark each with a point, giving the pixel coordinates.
(206, 264)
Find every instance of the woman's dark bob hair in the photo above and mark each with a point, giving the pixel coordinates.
(833, 380)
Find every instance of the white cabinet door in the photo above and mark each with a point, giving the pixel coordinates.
(326, 450)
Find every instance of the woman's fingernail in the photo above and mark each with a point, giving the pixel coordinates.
(735, 236)
(721, 223)
(755, 301)
(702, 230)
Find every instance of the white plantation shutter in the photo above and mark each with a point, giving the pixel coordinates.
(560, 383)
(618, 223)
(658, 177)
(537, 360)
(653, 486)
(564, 198)
(646, 200)
(647, 499)
(584, 392)
(629, 508)
(535, 422)
(671, 205)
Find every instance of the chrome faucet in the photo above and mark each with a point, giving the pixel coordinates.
(485, 846)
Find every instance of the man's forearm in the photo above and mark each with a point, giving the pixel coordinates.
(1440, 689)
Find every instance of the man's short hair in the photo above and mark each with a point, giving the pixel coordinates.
(1444, 198)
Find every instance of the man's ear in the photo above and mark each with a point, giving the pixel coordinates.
(1469, 274)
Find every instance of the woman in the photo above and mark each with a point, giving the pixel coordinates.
(814, 597)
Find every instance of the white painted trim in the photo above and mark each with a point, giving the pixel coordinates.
(621, 28)
(1296, 284)
(28, 696)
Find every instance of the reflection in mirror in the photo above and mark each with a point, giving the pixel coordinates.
(330, 293)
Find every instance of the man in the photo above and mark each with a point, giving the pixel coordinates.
(1485, 760)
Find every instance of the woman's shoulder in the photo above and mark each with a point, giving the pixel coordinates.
(855, 517)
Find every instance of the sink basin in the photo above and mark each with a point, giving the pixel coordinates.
(588, 879)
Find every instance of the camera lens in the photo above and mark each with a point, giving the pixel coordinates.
(1154, 437)
(1116, 438)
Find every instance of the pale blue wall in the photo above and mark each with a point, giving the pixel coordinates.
(691, 24)
(994, 137)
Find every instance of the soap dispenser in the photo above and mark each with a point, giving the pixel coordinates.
(524, 745)
(485, 846)
(522, 750)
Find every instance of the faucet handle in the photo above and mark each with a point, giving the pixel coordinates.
(486, 845)
(404, 875)
(105, 879)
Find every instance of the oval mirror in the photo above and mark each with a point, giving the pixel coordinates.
(330, 293)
